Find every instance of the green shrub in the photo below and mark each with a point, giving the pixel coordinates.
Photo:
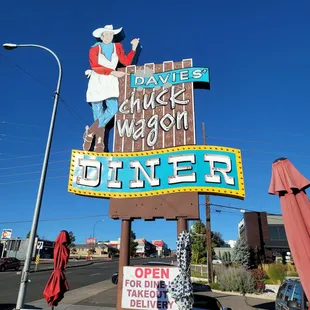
(215, 286)
(268, 281)
(292, 274)
(276, 272)
(236, 280)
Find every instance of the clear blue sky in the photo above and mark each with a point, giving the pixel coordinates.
(258, 55)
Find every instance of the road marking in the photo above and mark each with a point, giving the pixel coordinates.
(94, 274)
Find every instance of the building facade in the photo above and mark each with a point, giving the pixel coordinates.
(17, 247)
(265, 235)
(161, 248)
(94, 251)
(145, 248)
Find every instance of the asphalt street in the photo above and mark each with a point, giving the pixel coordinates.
(77, 278)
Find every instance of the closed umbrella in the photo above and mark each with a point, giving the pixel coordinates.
(57, 284)
(181, 288)
(289, 184)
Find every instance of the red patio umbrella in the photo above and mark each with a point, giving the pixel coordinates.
(289, 184)
(57, 284)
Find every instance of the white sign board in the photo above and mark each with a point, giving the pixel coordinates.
(146, 288)
(6, 234)
(40, 245)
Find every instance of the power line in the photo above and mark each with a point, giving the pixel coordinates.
(18, 124)
(15, 141)
(66, 104)
(32, 165)
(55, 219)
(239, 209)
(30, 156)
(268, 132)
(26, 181)
(26, 173)
(18, 137)
(253, 141)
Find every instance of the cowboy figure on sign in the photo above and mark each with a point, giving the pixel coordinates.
(103, 86)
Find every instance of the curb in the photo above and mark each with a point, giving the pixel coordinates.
(246, 295)
(68, 267)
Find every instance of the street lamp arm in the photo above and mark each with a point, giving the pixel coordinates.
(55, 56)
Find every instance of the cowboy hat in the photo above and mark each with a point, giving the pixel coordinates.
(108, 28)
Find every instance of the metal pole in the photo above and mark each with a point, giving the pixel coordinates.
(25, 273)
(95, 227)
(208, 223)
(124, 259)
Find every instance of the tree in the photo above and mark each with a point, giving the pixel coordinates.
(198, 233)
(28, 235)
(241, 253)
(217, 240)
(71, 240)
(133, 244)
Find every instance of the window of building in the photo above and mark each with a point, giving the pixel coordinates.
(277, 233)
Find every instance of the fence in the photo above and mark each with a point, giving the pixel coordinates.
(199, 270)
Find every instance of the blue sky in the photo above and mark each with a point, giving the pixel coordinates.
(258, 55)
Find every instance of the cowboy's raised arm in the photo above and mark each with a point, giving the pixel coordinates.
(93, 61)
(124, 59)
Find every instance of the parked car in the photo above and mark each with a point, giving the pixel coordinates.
(9, 263)
(291, 296)
(207, 303)
(217, 262)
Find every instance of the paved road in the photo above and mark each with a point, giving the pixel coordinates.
(77, 277)
(108, 299)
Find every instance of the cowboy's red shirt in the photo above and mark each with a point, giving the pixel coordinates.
(124, 59)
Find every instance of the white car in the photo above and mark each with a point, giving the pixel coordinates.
(217, 262)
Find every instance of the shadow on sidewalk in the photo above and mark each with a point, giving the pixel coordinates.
(267, 306)
(12, 306)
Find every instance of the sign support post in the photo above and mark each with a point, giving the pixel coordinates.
(208, 223)
(124, 258)
(182, 225)
(37, 261)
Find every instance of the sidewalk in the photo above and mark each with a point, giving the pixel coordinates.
(79, 299)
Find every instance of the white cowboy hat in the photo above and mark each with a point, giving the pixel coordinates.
(108, 28)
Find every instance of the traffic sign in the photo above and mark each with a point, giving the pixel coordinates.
(40, 245)
(6, 234)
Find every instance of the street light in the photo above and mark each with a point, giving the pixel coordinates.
(95, 228)
(26, 270)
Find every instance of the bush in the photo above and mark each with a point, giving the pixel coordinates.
(268, 281)
(236, 280)
(292, 274)
(276, 272)
(260, 286)
(215, 286)
(290, 267)
(258, 274)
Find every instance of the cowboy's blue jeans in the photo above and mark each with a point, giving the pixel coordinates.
(104, 111)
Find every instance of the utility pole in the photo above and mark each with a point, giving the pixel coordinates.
(208, 223)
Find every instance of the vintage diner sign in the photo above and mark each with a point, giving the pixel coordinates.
(156, 111)
(151, 173)
(146, 288)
